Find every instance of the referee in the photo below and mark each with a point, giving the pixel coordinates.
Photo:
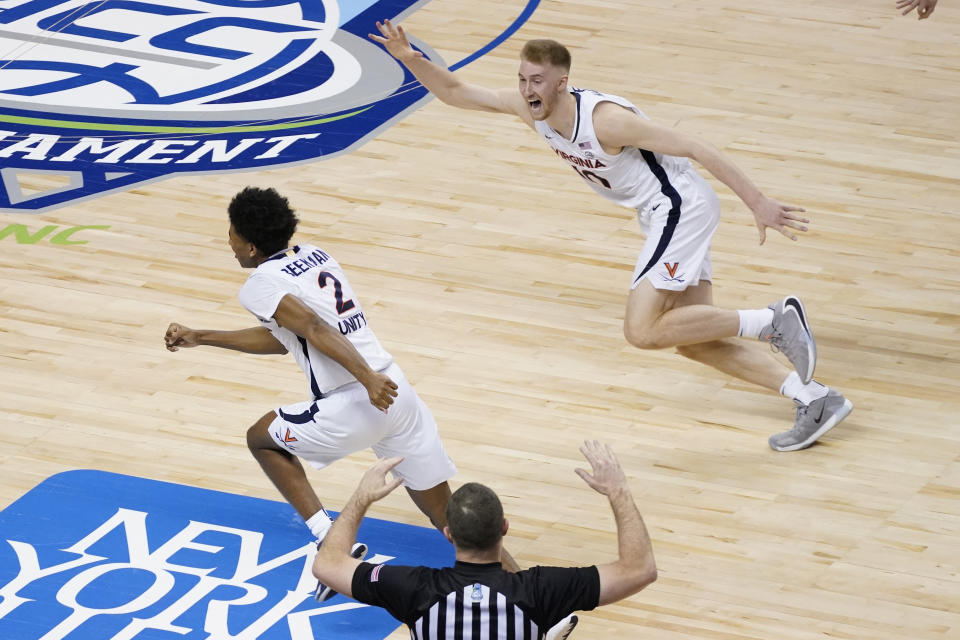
(477, 599)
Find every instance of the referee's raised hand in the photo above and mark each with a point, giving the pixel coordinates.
(374, 484)
(635, 567)
(607, 477)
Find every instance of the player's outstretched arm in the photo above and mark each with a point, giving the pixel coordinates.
(618, 127)
(301, 319)
(333, 565)
(442, 82)
(257, 340)
(635, 568)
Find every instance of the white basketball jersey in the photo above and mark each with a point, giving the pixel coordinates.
(633, 177)
(318, 281)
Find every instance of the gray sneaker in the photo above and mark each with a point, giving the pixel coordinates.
(813, 420)
(790, 334)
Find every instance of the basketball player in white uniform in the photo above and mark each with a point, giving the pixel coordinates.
(359, 396)
(625, 158)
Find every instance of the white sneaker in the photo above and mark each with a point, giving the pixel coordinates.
(563, 629)
(323, 592)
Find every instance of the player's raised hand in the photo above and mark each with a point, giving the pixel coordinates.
(381, 389)
(924, 7)
(374, 484)
(607, 476)
(178, 336)
(394, 40)
(779, 217)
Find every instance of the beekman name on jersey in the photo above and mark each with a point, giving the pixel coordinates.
(302, 265)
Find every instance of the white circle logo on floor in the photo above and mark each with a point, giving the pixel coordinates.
(104, 94)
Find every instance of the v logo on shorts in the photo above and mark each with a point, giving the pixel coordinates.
(287, 437)
(672, 270)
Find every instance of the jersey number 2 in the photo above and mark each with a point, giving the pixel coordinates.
(342, 306)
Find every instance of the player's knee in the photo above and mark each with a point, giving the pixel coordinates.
(642, 336)
(258, 436)
(253, 438)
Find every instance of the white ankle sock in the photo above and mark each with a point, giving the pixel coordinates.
(794, 388)
(752, 321)
(319, 524)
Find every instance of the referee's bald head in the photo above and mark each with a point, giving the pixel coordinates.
(475, 517)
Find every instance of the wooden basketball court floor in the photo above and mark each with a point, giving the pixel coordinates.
(498, 282)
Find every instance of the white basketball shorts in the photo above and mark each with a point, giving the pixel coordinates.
(323, 431)
(676, 254)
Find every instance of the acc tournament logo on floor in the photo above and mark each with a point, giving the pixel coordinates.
(110, 93)
(89, 555)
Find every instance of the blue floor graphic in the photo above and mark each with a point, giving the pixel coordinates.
(90, 555)
(111, 95)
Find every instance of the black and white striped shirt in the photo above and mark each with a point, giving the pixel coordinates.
(477, 601)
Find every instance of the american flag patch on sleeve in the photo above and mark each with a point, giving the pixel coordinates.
(585, 145)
